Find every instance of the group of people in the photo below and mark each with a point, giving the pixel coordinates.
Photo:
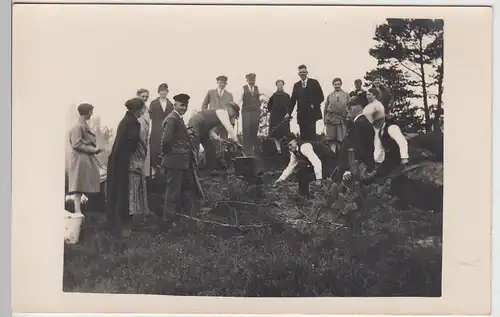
(155, 141)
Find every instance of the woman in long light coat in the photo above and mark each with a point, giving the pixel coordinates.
(83, 169)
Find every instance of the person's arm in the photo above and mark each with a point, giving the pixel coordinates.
(308, 152)
(77, 142)
(132, 137)
(224, 119)
(270, 104)
(396, 134)
(320, 94)
(167, 135)
(327, 103)
(206, 101)
(289, 169)
(239, 99)
(213, 135)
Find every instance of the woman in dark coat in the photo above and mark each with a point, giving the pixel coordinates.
(128, 136)
(278, 109)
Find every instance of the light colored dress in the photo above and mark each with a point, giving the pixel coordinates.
(335, 115)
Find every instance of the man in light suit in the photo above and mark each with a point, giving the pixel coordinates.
(178, 165)
(308, 96)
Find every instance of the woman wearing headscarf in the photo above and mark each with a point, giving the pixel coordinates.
(83, 169)
(124, 168)
(278, 110)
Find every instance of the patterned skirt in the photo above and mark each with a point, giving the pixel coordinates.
(138, 196)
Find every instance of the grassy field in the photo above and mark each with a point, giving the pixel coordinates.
(396, 252)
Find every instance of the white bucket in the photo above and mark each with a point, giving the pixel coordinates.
(73, 225)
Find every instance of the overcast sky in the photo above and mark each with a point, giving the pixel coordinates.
(103, 54)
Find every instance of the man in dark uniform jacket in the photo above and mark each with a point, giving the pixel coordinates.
(308, 96)
(204, 125)
(178, 164)
(360, 138)
(310, 160)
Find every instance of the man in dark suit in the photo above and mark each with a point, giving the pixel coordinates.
(360, 137)
(178, 164)
(308, 96)
(159, 109)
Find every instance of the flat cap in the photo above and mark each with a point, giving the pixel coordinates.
(183, 98)
(134, 104)
(222, 78)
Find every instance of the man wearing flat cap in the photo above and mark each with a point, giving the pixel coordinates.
(218, 98)
(178, 162)
(203, 128)
(250, 113)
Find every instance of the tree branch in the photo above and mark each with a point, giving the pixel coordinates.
(410, 69)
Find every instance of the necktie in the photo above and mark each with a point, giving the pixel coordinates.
(303, 84)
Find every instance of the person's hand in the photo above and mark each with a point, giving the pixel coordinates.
(98, 150)
(318, 182)
(278, 182)
(312, 106)
(404, 161)
(287, 116)
(347, 175)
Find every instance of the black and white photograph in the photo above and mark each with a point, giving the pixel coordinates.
(258, 178)
(253, 151)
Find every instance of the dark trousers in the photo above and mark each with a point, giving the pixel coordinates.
(180, 192)
(210, 153)
(307, 129)
(305, 174)
(382, 171)
(250, 120)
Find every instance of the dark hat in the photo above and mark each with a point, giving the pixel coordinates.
(234, 105)
(183, 98)
(222, 78)
(251, 76)
(134, 104)
(85, 108)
